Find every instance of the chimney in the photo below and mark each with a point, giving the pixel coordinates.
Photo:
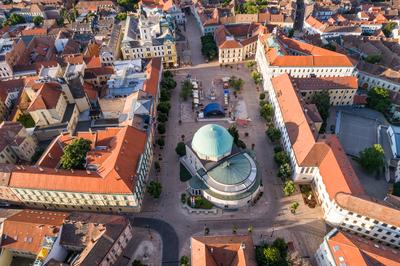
(242, 245)
(41, 169)
(50, 156)
(211, 250)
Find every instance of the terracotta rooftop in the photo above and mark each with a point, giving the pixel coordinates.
(152, 76)
(25, 230)
(348, 249)
(369, 207)
(300, 134)
(326, 83)
(46, 98)
(312, 56)
(335, 168)
(223, 250)
(237, 35)
(115, 173)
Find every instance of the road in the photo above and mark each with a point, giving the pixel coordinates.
(176, 226)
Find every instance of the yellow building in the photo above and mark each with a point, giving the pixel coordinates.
(341, 90)
(150, 36)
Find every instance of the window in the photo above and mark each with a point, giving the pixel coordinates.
(380, 230)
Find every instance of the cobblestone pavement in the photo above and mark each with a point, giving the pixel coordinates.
(271, 213)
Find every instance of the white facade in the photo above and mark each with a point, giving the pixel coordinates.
(369, 81)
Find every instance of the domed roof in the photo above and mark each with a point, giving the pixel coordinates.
(212, 142)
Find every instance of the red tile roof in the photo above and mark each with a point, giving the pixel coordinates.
(348, 249)
(326, 83)
(26, 230)
(115, 174)
(34, 32)
(153, 75)
(223, 250)
(300, 134)
(46, 98)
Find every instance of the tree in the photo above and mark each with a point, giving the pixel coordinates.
(208, 47)
(121, 16)
(154, 189)
(164, 107)
(184, 261)
(289, 188)
(14, 19)
(372, 158)
(272, 256)
(285, 171)
(273, 134)
(378, 99)
(38, 20)
(187, 88)
(167, 74)
(127, 4)
(373, 58)
(138, 263)
(281, 157)
(257, 77)
(162, 118)
(262, 96)
(26, 120)
(266, 111)
(387, 29)
(234, 133)
(74, 156)
(161, 142)
(168, 83)
(281, 245)
(330, 46)
(294, 206)
(161, 128)
(236, 83)
(250, 64)
(157, 166)
(290, 33)
(180, 149)
(322, 101)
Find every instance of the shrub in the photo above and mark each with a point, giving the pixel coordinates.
(273, 134)
(26, 120)
(184, 261)
(285, 171)
(262, 96)
(277, 148)
(162, 118)
(157, 166)
(180, 149)
(183, 198)
(161, 128)
(164, 107)
(293, 207)
(154, 189)
(289, 188)
(281, 157)
(266, 110)
(161, 142)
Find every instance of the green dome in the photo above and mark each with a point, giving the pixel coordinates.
(212, 142)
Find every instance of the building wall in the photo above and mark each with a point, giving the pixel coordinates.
(337, 96)
(166, 51)
(368, 81)
(8, 156)
(26, 149)
(5, 257)
(118, 247)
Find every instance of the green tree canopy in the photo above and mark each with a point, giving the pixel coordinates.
(285, 170)
(387, 29)
(272, 256)
(154, 189)
(26, 120)
(14, 19)
(267, 110)
(38, 20)
(164, 107)
(187, 88)
(236, 83)
(273, 134)
(322, 101)
(372, 158)
(378, 99)
(373, 58)
(74, 156)
(281, 157)
(289, 188)
(208, 47)
(121, 16)
(180, 149)
(129, 5)
(257, 77)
